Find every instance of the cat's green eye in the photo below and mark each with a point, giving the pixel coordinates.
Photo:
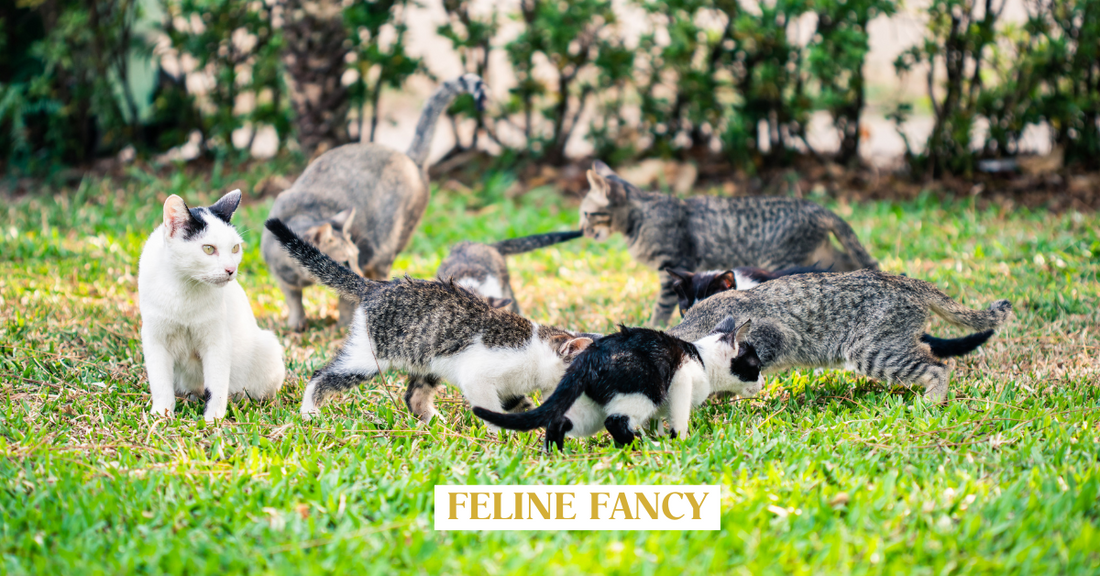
(208, 249)
(236, 248)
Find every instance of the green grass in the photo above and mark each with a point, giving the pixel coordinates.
(824, 473)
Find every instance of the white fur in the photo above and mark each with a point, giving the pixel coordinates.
(490, 287)
(744, 282)
(197, 328)
(484, 375)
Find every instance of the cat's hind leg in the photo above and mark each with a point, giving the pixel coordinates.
(266, 370)
(420, 396)
(328, 381)
(908, 366)
(626, 414)
(555, 433)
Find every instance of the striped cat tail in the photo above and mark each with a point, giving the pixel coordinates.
(534, 242)
(435, 106)
(567, 392)
(325, 269)
(850, 242)
(959, 315)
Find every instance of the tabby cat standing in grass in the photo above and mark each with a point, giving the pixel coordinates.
(704, 232)
(364, 194)
(867, 321)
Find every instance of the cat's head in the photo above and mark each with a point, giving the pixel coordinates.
(202, 242)
(731, 360)
(606, 206)
(333, 237)
(693, 287)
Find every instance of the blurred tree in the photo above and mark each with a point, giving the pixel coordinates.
(315, 55)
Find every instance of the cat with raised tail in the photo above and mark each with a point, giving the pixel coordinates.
(197, 329)
(363, 194)
(867, 321)
(434, 330)
(624, 379)
(704, 232)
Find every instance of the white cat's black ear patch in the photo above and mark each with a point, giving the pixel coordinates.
(225, 207)
(182, 221)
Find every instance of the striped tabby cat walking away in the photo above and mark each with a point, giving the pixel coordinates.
(867, 321)
(371, 194)
(706, 232)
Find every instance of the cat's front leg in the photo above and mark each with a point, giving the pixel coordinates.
(215, 374)
(666, 301)
(158, 365)
(296, 321)
(679, 403)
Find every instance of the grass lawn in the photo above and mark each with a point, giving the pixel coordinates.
(824, 473)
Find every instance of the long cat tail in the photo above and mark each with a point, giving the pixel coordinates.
(850, 242)
(567, 392)
(325, 269)
(534, 242)
(437, 103)
(962, 316)
(949, 347)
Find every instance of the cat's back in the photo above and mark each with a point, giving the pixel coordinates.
(364, 175)
(431, 318)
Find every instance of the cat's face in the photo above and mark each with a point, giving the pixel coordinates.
(737, 368)
(604, 203)
(333, 237)
(202, 244)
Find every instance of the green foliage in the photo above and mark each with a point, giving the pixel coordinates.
(65, 91)
(825, 473)
(377, 65)
(238, 45)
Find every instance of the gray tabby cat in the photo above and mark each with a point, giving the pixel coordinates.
(867, 321)
(715, 232)
(483, 270)
(388, 190)
(436, 330)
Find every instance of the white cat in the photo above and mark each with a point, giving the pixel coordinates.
(197, 327)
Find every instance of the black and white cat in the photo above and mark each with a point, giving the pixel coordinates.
(434, 330)
(624, 379)
(197, 328)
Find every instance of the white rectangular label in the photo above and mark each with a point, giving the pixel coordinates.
(584, 507)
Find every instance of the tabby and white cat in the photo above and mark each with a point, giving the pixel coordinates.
(624, 379)
(867, 321)
(197, 328)
(387, 188)
(483, 269)
(704, 232)
(436, 330)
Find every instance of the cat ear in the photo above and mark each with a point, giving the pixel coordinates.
(742, 333)
(176, 214)
(575, 346)
(726, 326)
(682, 276)
(722, 282)
(225, 207)
(342, 220)
(598, 189)
(603, 169)
(319, 233)
(499, 302)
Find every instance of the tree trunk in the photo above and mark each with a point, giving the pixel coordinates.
(315, 54)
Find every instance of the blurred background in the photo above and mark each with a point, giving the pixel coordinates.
(875, 98)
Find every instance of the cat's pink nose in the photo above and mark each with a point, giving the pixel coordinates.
(230, 271)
